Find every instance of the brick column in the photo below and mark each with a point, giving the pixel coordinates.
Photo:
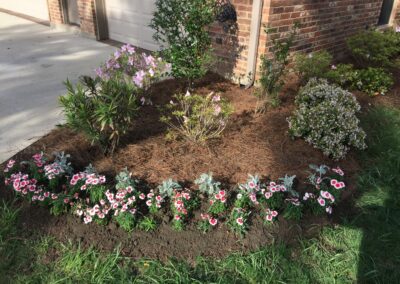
(55, 11)
(87, 16)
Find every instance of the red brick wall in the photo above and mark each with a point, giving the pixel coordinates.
(231, 42)
(325, 24)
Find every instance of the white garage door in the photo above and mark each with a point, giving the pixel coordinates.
(128, 22)
(33, 8)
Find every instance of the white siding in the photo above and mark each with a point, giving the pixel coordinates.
(128, 22)
(34, 8)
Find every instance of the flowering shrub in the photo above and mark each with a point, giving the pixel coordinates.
(139, 69)
(197, 118)
(326, 118)
(326, 189)
(313, 65)
(181, 27)
(104, 108)
(374, 47)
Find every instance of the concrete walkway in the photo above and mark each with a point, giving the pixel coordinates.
(34, 62)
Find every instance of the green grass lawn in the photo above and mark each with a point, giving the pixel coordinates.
(361, 248)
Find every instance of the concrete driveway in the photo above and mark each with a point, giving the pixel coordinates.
(34, 62)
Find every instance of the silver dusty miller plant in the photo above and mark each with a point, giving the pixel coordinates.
(207, 184)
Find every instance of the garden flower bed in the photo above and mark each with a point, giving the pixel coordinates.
(251, 144)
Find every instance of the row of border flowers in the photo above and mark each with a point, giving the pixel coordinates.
(131, 203)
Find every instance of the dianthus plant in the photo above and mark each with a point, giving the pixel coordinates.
(39, 181)
(153, 201)
(327, 187)
(238, 221)
(195, 117)
(218, 206)
(182, 205)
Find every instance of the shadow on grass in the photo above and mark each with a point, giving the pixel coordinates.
(379, 203)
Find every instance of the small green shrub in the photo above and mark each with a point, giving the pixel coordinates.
(341, 74)
(273, 68)
(326, 118)
(313, 65)
(102, 109)
(197, 118)
(374, 48)
(373, 81)
(181, 27)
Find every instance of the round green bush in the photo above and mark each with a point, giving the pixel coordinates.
(326, 118)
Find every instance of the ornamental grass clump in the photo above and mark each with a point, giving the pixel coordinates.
(105, 107)
(326, 118)
(197, 118)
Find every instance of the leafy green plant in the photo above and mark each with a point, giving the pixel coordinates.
(207, 184)
(341, 74)
(197, 118)
(293, 210)
(373, 81)
(374, 48)
(148, 224)
(326, 118)
(273, 68)
(239, 221)
(312, 65)
(102, 109)
(181, 27)
(126, 221)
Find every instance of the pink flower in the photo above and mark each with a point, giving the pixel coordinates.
(142, 196)
(177, 217)
(83, 187)
(239, 221)
(217, 110)
(223, 199)
(66, 200)
(138, 78)
(334, 182)
(338, 171)
(321, 201)
(328, 210)
(252, 185)
(10, 164)
(204, 216)
(149, 203)
(333, 67)
(268, 195)
(213, 221)
(216, 98)
(269, 218)
(218, 196)
(87, 219)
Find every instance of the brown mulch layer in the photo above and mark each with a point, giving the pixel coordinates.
(251, 144)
